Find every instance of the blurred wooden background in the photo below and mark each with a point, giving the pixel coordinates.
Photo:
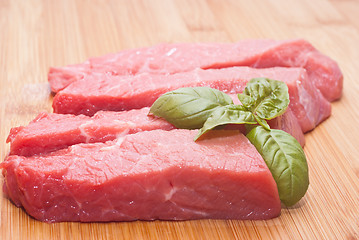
(37, 34)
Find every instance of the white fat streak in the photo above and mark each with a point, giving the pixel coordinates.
(169, 195)
(171, 51)
(121, 136)
(200, 213)
(16, 161)
(72, 150)
(108, 148)
(128, 123)
(118, 142)
(79, 204)
(196, 75)
(83, 130)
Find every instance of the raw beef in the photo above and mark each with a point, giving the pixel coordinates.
(288, 123)
(50, 132)
(103, 91)
(182, 57)
(147, 175)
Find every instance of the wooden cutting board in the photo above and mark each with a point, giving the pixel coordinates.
(37, 34)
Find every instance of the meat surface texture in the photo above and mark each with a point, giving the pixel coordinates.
(147, 175)
(288, 123)
(107, 92)
(100, 157)
(181, 57)
(49, 131)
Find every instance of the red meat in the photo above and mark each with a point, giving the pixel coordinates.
(107, 92)
(147, 175)
(323, 72)
(50, 132)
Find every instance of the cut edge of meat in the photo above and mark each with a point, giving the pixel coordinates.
(104, 126)
(49, 132)
(306, 100)
(177, 192)
(321, 68)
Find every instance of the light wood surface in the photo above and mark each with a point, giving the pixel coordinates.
(35, 35)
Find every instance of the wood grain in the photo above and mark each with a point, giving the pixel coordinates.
(37, 34)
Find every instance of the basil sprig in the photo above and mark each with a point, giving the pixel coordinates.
(189, 108)
(263, 99)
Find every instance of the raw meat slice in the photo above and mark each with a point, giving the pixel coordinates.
(182, 57)
(288, 123)
(107, 92)
(61, 77)
(50, 132)
(147, 175)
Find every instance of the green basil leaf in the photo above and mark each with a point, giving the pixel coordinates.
(266, 98)
(262, 122)
(247, 101)
(189, 108)
(229, 114)
(285, 159)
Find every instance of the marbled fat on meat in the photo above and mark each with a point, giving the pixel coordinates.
(50, 131)
(166, 59)
(107, 92)
(147, 175)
